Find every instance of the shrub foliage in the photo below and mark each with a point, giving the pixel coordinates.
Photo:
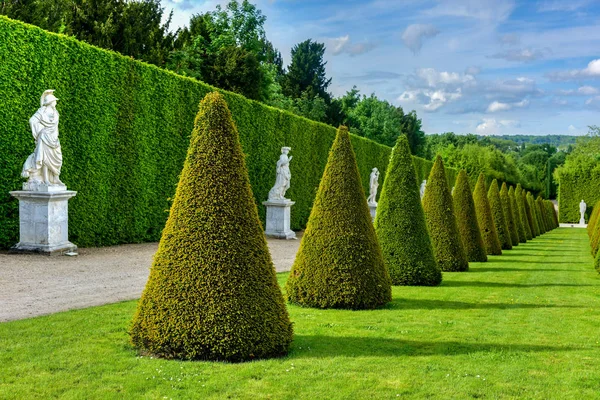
(466, 219)
(441, 221)
(212, 293)
(339, 263)
(521, 204)
(400, 224)
(530, 203)
(509, 215)
(518, 219)
(485, 218)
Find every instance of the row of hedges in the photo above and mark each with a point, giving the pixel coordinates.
(575, 186)
(125, 129)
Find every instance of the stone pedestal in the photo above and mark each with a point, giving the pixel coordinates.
(373, 209)
(44, 220)
(278, 219)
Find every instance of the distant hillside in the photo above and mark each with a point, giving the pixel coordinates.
(560, 141)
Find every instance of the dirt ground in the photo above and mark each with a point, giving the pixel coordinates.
(33, 285)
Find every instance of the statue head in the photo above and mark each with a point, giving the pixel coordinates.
(285, 150)
(374, 170)
(48, 98)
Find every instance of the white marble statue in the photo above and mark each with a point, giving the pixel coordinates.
(44, 164)
(422, 189)
(282, 182)
(373, 185)
(582, 209)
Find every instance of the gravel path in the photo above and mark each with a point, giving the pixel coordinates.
(32, 285)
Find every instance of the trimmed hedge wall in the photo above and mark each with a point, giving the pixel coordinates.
(574, 187)
(125, 129)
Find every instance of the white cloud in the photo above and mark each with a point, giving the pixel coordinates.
(490, 126)
(581, 91)
(591, 71)
(572, 128)
(343, 44)
(523, 55)
(431, 100)
(497, 106)
(433, 78)
(414, 35)
(488, 10)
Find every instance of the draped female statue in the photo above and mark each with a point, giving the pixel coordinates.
(282, 182)
(44, 164)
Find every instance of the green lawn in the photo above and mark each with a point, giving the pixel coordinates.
(524, 325)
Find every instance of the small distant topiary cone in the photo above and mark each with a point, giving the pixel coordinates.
(441, 221)
(597, 262)
(534, 221)
(339, 263)
(212, 293)
(529, 214)
(520, 198)
(485, 219)
(595, 239)
(466, 219)
(550, 208)
(509, 215)
(517, 215)
(400, 224)
(498, 215)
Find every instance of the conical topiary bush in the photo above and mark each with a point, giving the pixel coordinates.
(534, 219)
(466, 219)
(212, 293)
(509, 216)
(595, 239)
(529, 214)
(485, 219)
(597, 262)
(593, 219)
(441, 221)
(550, 211)
(540, 211)
(339, 263)
(498, 215)
(400, 224)
(517, 215)
(520, 198)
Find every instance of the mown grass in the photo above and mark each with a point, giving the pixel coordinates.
(524, 325)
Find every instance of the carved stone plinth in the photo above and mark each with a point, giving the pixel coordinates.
(278, 219)
(373, 209)
(44, 221)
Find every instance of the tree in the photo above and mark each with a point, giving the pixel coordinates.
(212, 293)
(518, 218)
(441, 221)
(466, 219)
(306, 72)
(238, 70)
(498, 215)
(339, 263)
(485, 219)
(411, 127)
(509, 215)
(400, 224)
(521, 204)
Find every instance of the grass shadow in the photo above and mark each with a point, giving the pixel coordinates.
(422, 304)
(502, 269)
(319, 346)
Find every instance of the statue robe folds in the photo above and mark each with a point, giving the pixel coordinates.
(44, 127)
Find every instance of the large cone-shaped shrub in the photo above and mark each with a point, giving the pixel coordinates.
(542, 213)
(212, 293)
(498, 215)
(593, 219)
(485, 219)
(466, 219)
(509, 215)
(518, 219)
(339, 263)
(441, 221)
(595, 238)
(520, 198)
(597, 262)
(529, 214)
(534, 219)
(538, 209)
(400, 224)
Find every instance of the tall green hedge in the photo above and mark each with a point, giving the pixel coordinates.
(125, 129)
(575, 186)
(498, 215)
(212, 293)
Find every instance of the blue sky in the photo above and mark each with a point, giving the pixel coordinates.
(478, 66)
